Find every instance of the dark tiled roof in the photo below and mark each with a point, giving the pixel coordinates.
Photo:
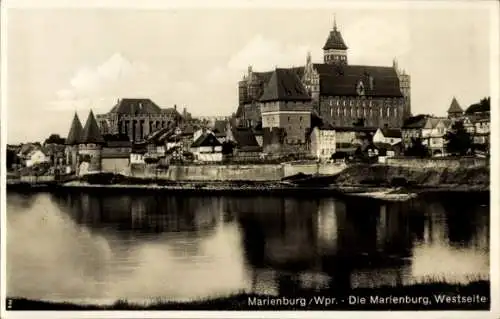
(220, 127)
(391, 132)
(455, 107)
(244, 137)
(481, 107)
(338, 80)
(117, 140)
(418, 121)
(284, 85)
(206, 139)
(355, 129)
(75, 132)
(335, 41)
(136, 106)
(91, 132)
(172, 111)
(188, 130)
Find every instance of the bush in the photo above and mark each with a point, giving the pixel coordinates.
(399, 182)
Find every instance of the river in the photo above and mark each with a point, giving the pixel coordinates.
(98, 248)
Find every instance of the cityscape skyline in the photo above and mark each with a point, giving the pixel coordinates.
(201, 71)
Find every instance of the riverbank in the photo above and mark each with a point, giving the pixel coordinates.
(474, 296)
(383, 182)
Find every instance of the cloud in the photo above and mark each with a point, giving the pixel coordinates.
(375, 41)
(264, 53)
(98, 87)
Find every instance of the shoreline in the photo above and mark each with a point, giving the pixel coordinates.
(252, 188)
(244, 300)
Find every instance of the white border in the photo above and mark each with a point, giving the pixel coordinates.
(157, 4)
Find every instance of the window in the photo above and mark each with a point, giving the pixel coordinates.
(289, 119)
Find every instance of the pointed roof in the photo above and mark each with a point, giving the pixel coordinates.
(335, 40)
(455, 107)
(91, 132)
(284, 85)
(75, 132)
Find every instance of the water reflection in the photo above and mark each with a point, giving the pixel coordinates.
(105, 247)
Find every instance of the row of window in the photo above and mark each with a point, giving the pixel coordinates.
(363, 112)
(343, 102)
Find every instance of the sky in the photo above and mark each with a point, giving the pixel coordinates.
(62, 60)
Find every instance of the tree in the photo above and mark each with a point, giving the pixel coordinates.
(417, 148)
(227, 148)
(360, 122)
(458, 140)
(54, 139)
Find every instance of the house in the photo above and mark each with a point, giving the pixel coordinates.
(207, 148)
(220, 130)
(347, 139)
(137, 153)
(387, 136)
(412, 129)
(433, 135)
(477, 123)
(246, 146)
(37, 157)
(386, 150)
(115, 154)
(323, 142)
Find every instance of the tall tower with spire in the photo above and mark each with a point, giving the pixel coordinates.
(335, 49)
(90, 146)
(72, 141)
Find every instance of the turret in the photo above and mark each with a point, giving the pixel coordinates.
(335, 49)
(72, 140)
(90, 146)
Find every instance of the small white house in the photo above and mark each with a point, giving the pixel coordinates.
(387, 136)
(323, 142)
(136, 158)
(207, 148)
(37, 157)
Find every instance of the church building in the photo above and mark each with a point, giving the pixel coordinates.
(344, 95)
(137, 118)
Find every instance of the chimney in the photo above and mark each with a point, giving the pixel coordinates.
(175, 107)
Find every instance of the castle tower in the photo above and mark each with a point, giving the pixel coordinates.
(90, 146)
(74, 136)
(405, 86)
(335, 49)
(455, 111)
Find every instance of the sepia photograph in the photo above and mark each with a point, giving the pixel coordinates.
(249, 158)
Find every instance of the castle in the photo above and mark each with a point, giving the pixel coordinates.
(343, 95)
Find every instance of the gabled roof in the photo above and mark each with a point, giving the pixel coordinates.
(391, 132)
(343, 80)
(220, 127)
(244, 137)
(206, 139)
(75, 132)
(172, 111)
(136, 106)
(284, 85)
(455, 107)
(335, 41)
(91, 132)
(117, 140)
(415, 122)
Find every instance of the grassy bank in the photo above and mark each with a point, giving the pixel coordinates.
(244, 301)
(451, 179)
